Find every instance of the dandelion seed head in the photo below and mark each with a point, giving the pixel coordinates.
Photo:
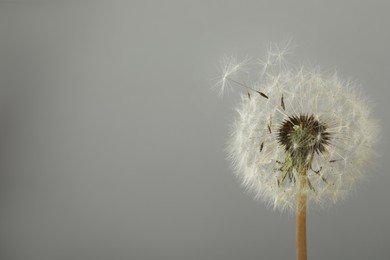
(299, 117)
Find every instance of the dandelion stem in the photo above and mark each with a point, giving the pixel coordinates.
(300, 236)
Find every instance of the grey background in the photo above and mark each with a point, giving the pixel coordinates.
(111, 140)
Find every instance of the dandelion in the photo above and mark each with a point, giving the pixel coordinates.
(301, 136)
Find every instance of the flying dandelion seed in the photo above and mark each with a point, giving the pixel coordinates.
(230, 68)
(300, 135)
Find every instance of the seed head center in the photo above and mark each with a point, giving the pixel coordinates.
(302, 136)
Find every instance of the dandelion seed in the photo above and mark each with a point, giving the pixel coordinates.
(230, 67)
(262, 94)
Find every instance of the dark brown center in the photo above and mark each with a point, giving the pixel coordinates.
(303, 135)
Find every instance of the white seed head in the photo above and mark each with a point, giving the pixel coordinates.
(296, 118)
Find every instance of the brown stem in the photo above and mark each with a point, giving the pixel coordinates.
(300, 236)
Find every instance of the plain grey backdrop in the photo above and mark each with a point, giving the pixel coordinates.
(112, 141)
